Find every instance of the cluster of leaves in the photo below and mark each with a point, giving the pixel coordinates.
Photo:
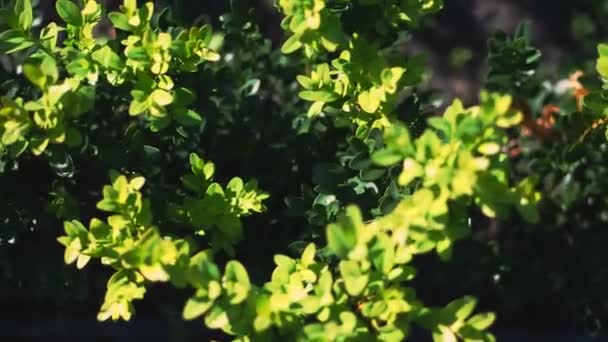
(560, 147)
(513, 62)
(315, 25)
(359, 84)
(379, 250)
(363, 86)
(461, 162)
(130, 243)
(364, 296)
(353, 179)
(344, 299)
(66, 73)
(361, 296)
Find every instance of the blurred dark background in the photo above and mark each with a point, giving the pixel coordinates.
(566, 32)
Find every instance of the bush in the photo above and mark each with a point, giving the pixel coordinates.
(176, 153)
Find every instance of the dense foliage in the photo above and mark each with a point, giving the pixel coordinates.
(134, 128)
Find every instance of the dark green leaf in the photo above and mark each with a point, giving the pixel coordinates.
(69, 12)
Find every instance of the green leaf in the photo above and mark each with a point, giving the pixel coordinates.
(387, 157)
(373, 309)
(444, 334)
(108, 206)
(196, 163)
(342, 236)
(308, 255)
(130, 5)
(79, 67)
(80, 101)
(120, 21)
(196, 307)
(355, 280)
(318, 95)
(34, 74)
(462, 308)
(137, 183)
(369, 101)
(70, 255)
(595, 101)
(82, 261)
(209, 170)
(315, 109)
(304, 81)
(411, 170)
(48, 66)
(14, 40)
(38, 145)
(69, 12)
(602, 62)
(372, 174)
(161, 97)
(138, 54)
(236, 282)
(73, 138)
(217, 318)
(489, 148)
(482, 321)
(187, 117)
(291, 45)
(139, 104)
(602, 66)
(602, 49)
(235, 185)
(23, 8)
(154, 272)
(183, 97)
(332, 34)
(74, 228)
(108, 58)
